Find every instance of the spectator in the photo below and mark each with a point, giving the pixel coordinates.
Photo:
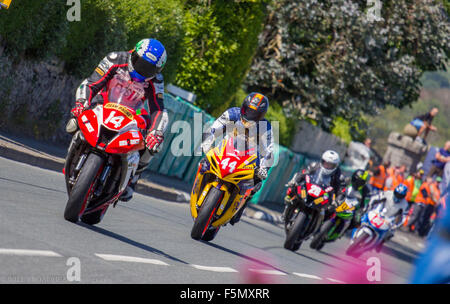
(420, 204)
(429, 268)
(431, 204)
(395, 178)
(413, 182)
(421, 124)
(445, 184)
(379, 177)
(440, 159)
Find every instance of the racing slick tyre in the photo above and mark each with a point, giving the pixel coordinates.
(292, 241)
(205, 215)
(83, 188)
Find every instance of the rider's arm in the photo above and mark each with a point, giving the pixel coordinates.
(266, 146)
(159, 118)
(105, 70)
(217, 129)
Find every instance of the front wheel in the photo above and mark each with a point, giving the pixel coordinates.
(292, 241)
(83, 188)
(357, 248)
(319, 239)
(94, 217)
(205, 215)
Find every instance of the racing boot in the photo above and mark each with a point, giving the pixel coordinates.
(128, 193)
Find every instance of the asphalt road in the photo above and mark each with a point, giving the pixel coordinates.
(148, 240)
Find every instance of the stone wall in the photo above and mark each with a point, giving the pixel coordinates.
(35, 97)
(313, 141)
(404, 151)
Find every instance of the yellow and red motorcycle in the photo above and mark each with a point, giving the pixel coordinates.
(222, 189)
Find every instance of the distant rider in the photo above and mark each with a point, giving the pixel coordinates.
(327, 172)
(395, 206)
(144, 64)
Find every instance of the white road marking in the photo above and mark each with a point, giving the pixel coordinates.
(124, 258)
(267, 271)
(403, 238)
(27, 252)
(216, 269)
(336, 281)
(305, 275)
(420, 245)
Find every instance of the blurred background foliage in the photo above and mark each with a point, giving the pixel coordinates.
(322, 61)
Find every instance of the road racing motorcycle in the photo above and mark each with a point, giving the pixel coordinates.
(370, 235)
(306, 212)
(103, 154)
(221, 191)
(337, 225)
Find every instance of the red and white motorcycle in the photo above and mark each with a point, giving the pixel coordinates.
(104, 152)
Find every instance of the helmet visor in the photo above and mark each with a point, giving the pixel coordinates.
(143, 67)
(328, 165)
(251, 115)
(398, 196)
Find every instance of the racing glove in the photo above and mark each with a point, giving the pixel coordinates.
(153, 140)
(77, 109)
(261, 173)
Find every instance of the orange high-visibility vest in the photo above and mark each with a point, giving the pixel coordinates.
(409, 183)
(437, 193)
(378, 180)
(420, 198)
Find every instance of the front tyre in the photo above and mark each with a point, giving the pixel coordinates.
(205, 216)
(357, 248)
(94, 217)
(83, 188)
(292, 239)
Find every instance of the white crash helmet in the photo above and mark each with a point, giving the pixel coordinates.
(329, 162)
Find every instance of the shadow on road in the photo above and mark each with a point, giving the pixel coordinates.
(262, 263)
(130, 242)
(400, 252)
(32, 185)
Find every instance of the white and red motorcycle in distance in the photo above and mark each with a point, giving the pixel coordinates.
(104, 152)
(374, 226)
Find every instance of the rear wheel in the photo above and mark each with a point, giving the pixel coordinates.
(83, 188)
(292, 239)
(206, 215)
(319, 239)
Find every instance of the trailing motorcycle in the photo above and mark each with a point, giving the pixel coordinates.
(103, 154)
(374, 226)
(337, 225)
(306, 212)
(221, 191)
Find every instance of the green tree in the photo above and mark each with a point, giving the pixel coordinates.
(220, 40)
(328, 57)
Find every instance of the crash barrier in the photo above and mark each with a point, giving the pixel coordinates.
(185, 167)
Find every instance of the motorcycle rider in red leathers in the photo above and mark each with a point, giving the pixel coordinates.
(144, 64)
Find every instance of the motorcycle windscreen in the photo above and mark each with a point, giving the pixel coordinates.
(123, 91)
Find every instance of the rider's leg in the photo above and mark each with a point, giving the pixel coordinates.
(236, 218)
(144, 160)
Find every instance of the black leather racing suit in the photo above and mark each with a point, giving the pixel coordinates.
(335, 180)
